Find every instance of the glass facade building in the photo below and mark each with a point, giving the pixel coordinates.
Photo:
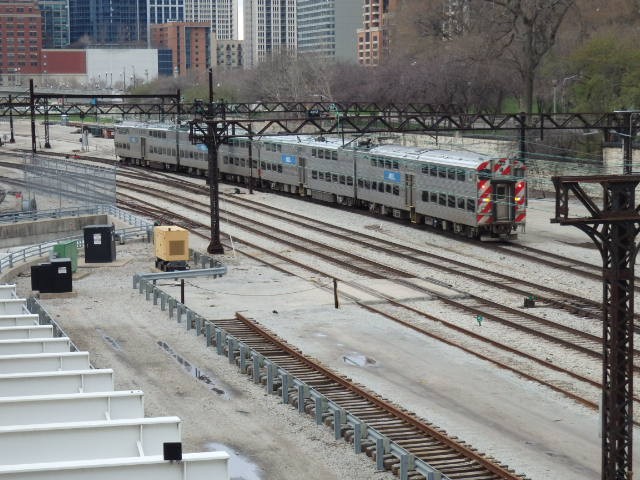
(55, 23)
(108, 22)
(162, 11)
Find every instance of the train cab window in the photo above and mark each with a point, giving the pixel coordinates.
(350, 181)
(451, 201)
(451, 173)
(433, 170)
(334, 155)
(460, 176)
(461, 203)
(396, 190)
(425, 196)
(433, 197)
(334, 178)
(314, 174)
(518, 172)
(343, 180)
(442, 199)
(396, 165)
(279, 168)
(471, 205)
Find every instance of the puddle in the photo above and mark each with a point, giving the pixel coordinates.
(239, 467)
(358, 360)
(110, 340)
(201, 375)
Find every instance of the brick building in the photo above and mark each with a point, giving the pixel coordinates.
(20, 40)
(189, 42)
(373, 37)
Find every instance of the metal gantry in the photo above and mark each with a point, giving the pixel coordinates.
(613, 227)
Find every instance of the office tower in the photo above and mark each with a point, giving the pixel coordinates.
(269, 28)
(108, 22)
(162, 11)
(222, 15)
(55, 23)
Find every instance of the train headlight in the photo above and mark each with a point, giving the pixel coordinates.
(517, 199)
(486, 199)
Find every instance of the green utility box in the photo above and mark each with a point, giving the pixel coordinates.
(67, 250)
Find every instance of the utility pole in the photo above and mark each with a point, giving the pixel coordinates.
(12, 139)
(613, 227)
(213, 141)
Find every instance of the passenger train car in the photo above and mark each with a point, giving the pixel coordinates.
(467, 193)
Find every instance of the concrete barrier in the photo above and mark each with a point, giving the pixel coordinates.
(53, 442)
(194, 466)
(7, 291)
(25, 332)
(41, 383)
(19, 320)
(35, 345)
(13, 306)
(73, 407)
(44, 362)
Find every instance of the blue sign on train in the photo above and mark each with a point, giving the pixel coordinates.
(390, 176)
(202, 147)
(289, 159)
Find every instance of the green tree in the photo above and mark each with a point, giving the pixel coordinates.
(609, 70)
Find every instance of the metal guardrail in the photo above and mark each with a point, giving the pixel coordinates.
(249, 356)
(142, 227)
(45, 318)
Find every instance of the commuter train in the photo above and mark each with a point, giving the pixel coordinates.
(470, 194)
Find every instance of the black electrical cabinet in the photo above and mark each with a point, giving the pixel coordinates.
(99, 243)
(53, 277)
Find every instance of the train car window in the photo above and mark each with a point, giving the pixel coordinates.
(343, 180)
(451, 173)
(381, 187)
(461, 203)
(243, 163)
(268, 166)
(433, 170)
(433, 197)
(425, 196)
(263, 165)
(374, 185)
(279, 147)
(255, 164)
(334, 155)
(396, 165)
(314, 174)
(321, 175)
(225, 160)
(313, 152)
(279, 168)
(471, 205)
(425, 169)
(451, 201)
(387, 163)
(334, 178)
(396, 190)
(518, 172)
(460, 175)
(327, 176)
(442, 199)
(320, 153)
(350, 181)
(374, 162)
(173, 152)
(236, 162)
(360, 183)
(367, 185)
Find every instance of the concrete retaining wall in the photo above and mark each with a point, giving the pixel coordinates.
(26, 233)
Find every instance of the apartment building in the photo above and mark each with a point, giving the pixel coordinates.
(20, 40)
(373, 36)
(189, 42)
(269, 28)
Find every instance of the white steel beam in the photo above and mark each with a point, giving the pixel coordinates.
(54, 442)
(41, 383)
(194, 466)
(19, 320)
(32, 331)
(35, 345)
(13, 306)
(7, 291)
(74, 407)
(44, 362)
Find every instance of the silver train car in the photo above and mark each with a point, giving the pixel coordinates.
(470, 194)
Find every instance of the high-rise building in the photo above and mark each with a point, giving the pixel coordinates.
(373, 37)
(108, 22)
(189, 42)
(55, 23)
(20, 40)
(269, 28)
(329, 28)
(162, 11)
(228, 54)
(222, 15)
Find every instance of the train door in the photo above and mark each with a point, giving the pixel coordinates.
(302, 171)
(143, 147)
(408, 190)
(502, 201)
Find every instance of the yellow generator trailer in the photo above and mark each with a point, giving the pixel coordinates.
(172, 248)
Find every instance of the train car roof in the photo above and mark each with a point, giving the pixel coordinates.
(460, 158)
(309, 140)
